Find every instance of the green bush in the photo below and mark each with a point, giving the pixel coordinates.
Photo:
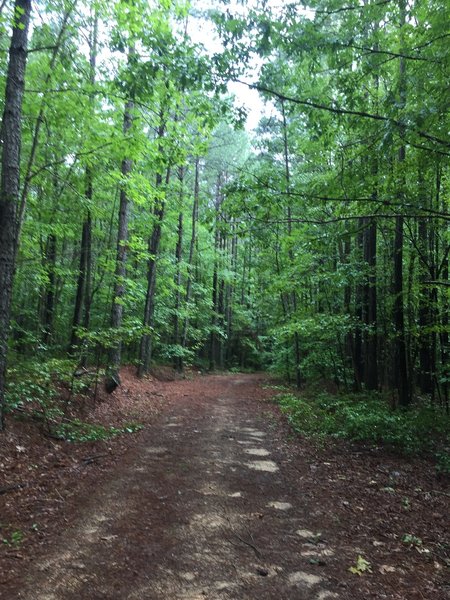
(37, 388)
(33, 382)
(368, 418)
(443, 462)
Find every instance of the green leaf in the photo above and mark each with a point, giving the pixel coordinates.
(362, 566)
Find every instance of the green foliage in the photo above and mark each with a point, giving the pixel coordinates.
(34, 383)
(411, 540)
(362, 566)
(14, 539)
(37, 387)
(368, 418)
(278, 269)
(170, 352)
(80, 431)
(443, 462)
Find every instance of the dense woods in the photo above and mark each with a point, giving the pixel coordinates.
(141, 223)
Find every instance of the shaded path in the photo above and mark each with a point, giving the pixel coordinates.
(208, 506)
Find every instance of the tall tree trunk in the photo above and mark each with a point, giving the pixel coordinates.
(358, 346)
(370, 250)
(347, 350)
(400, 350)
(370, 354)
(178, 362)
(293, 294)
(192, 246)
(83, 293)
(445, 307)
(213, 341)
(230, 297)
(11, 134)
(215, 308)
(221, 311)
(425, 378)
(145, 346)
(115, 352)
(50, 290)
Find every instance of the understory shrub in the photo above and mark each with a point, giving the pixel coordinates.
(80, 431)
(369, 418)
(47, 392)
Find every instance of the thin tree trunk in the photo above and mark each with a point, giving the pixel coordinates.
(213, 342)
(230, 297)
(192, 246)
(358, 346)
(425, 379)
(39, 122)
(145, 346)
(283, 302)
(178, 362)
(348, 350)
(400, 350)
(371, 354)
(215, 308)
(83, 293)
(293, 295)
(445, 308)
(221, 310)
(50, 290)
(115, 351)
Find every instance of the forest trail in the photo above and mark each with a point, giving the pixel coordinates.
(208, 506)
(216, 499)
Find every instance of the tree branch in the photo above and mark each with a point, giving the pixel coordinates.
(389, 53)
(380, 201)
(434, 282)
(41, 48)
(342, 111)
(328, 13)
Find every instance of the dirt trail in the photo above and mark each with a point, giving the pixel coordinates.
(204, 508)
(215, 499)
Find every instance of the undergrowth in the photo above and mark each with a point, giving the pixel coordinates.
(50, 393)
(80, 431)
(368, 418)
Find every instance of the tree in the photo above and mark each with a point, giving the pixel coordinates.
(10, 173)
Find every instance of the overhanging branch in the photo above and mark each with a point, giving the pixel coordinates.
(343, 111)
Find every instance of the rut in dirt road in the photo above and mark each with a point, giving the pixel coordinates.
(208, 506)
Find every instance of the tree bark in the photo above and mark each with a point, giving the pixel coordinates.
(115, 352)
(145, 347)
(215, 317)
(50, 290)
(370, 255)
(424, 315)
(192, 246)
(178, 362)
(371, 354)
(83, 293)
(400, 350)
(358, 345)
(293, 294)
(11, 134)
